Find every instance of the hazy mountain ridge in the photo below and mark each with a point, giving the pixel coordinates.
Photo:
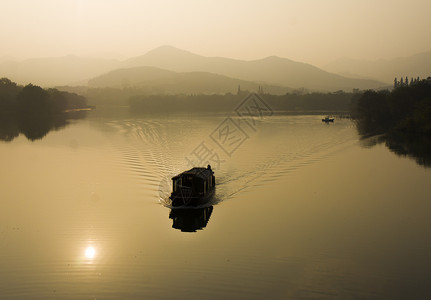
(385, 69)
(273, 71)
(152, 80)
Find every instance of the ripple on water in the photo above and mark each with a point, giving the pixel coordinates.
(152, 151)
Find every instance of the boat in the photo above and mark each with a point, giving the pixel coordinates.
(193, 187)
(328, 119)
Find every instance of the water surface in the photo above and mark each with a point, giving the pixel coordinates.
(302, 211)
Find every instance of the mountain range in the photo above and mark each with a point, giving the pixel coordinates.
(271, 70)
(169, 69)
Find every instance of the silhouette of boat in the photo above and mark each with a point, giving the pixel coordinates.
(328, 119)
(193, 187)
(191, 219)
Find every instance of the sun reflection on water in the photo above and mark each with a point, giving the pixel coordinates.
(90, 252)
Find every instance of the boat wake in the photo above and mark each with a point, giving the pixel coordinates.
(152, 151)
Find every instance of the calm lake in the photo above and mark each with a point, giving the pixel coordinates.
(303, 210)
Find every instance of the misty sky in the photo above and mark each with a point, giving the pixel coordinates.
(312, 31)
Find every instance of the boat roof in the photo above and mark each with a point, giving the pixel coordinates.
(196, 172)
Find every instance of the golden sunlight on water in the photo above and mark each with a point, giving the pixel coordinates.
(90, 252)
(301, 211)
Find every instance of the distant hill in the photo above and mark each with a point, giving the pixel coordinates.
(385, 69)
(55, 71)
(153, 80)
(272, 70)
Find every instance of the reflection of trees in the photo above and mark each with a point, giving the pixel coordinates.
(401, 119)
(34, 126)
(8, 128)
(416, 146)
(190, 220)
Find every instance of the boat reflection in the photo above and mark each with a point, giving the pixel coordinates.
(190, 220)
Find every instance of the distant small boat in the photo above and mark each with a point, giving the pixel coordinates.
(328, 119)
(193, 187)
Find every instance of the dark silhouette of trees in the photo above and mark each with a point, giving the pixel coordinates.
(406, 82)
(372, 108)
(8, 93)
(33, 111)
(61, 101)
(33, 100)
(406, 108)
(402, 117)
(316, 102)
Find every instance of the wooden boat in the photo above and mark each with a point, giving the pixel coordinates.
(193, 187)
(328, 119)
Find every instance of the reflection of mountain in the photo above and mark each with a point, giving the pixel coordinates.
(34, 126)
(190, 220)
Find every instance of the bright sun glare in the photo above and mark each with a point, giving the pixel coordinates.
(90, 252)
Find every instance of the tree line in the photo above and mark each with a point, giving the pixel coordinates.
(34, 111)
(401, 119)
(405, 108)
(406, 82)
(32, 99)
(318, 102)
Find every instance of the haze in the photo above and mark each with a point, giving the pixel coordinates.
(316, 32)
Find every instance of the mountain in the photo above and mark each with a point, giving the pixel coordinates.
(272, 70)
(385, 69)
(57, 70)
(153, 80)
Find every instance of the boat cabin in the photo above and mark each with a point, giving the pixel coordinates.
(192, 187)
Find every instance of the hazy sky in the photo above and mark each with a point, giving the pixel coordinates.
(313, 31)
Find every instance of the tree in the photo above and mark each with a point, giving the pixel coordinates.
(8, 93)
(33, 100)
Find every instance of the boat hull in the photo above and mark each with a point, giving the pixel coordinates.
(191, 201)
